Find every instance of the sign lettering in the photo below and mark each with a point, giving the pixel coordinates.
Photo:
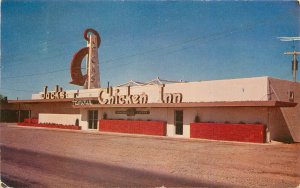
(170, 97)
(57, 94)
(84, 102)
(132, 112)
(115, 98)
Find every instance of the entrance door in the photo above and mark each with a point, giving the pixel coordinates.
(93, 119)
(179, 122)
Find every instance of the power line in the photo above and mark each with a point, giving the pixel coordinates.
(36, 74)
(18, 90)
(57, 41)
(169, 46)
(218, 35)
(207, 39)
(249, 26)
(53, 56)
(49, 45)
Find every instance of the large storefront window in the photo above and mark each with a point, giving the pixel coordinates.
(93, 119)
(14, 115)
(179, 122)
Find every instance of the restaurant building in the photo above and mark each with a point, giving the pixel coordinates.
(258, 109)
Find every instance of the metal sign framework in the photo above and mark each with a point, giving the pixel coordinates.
(91, 79)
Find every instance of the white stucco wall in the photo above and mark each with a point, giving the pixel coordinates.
(84, 118)
(225, 114)
(289, 117)
(245, 89)
(217, 114)
(66, 119)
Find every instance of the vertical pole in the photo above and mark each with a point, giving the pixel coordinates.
(268, 133)
(294, 63)
(294, 67)
(107, 89)
(19, 114)
(89, 62)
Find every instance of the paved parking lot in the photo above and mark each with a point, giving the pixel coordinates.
(46, 157)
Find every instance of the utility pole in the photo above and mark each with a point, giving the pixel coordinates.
(294, 63)
(294, 53)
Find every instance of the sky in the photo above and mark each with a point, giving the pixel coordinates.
(142, 40)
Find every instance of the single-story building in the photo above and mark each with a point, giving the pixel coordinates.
(258, 109)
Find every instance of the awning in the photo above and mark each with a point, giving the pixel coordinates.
(39, 101)
(195, 104)
(165, 105)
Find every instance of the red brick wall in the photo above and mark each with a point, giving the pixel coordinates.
(135, 127)
(230, 132)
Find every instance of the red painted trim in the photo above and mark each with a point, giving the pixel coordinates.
(231, 132)
(134, 127)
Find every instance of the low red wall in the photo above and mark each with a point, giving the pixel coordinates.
(230, 132)
(134, 127)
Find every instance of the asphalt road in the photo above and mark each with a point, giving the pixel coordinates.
(37, 157)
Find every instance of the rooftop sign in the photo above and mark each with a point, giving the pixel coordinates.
(57, 94)
(113, 96)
